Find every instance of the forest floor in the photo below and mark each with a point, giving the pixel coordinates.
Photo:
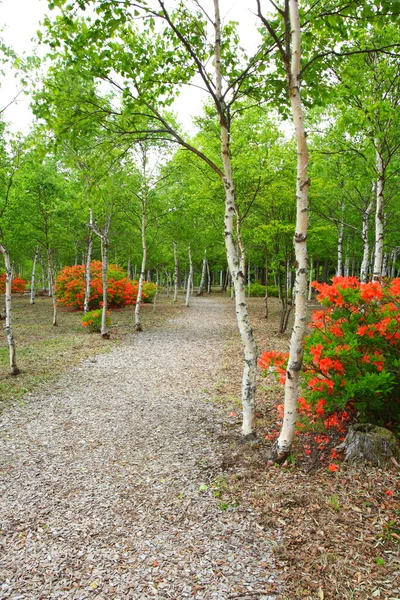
(124, 475)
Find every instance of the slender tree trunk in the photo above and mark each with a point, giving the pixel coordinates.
(339, 268)
(176, 273)
(266, 285)
(203, 275)
(8, 308)
(209, 275)
(104, 257)
(190, 278)
(138, 323)
(87, 265)
(347, 261)
(49, 275)
(379, 215)
(246, 334)
(284, 443)
(364, 234)
(43, 275)
(128, 269)
(51, 285)
(393, 262)
(310, 281)
(35, 259)
(248, 279)
(156, 294)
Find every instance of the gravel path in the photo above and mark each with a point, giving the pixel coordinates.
(106, 480)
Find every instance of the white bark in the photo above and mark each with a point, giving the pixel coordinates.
(347, 261)
(364, 235)
(103, 235)
(8, 308)
(190, 278)
(287, 434)
(176, 273)
(155, 295)
(203, 275)
(393, 260)
(246, 334)
(339, 268)
(104, 258)
(379, 214)
(35, 259)
(87, 266)
(310, 281)
(51, 285)
(208, 279)
(248, 279)
(138, 323)
(385, 265)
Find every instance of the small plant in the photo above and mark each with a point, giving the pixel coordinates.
(334, 502)
(380, 561)
(92, 321)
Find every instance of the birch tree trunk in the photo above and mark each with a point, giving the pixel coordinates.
(266, 285)
(283, 445)
(103, 235)
(138, 323)
(246, 334)
(379, 214)
(104, 258)
(339, 268)
(365, 242)
(393, 262)
(35, 259)
(8, 308)
(176, 273)
(43, 275)
(51, 285)
(203, 275)
(156, 294)
(87, 266)
(208, 279)
(190, 278)
(310, 281)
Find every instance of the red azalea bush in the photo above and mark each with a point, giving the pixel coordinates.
(351, 356)
(70, 287)
(18, 285)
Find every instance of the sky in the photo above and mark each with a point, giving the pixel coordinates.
(20, 21)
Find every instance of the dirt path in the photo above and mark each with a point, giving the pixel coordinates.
(108, 482)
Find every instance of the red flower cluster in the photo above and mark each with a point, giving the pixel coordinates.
(18, 285)
(121, 291)
(351, 356)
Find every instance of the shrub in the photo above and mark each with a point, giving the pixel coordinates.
(256, 290)
(18, 285)
(92, 320)
(70, 287)
(351, 356)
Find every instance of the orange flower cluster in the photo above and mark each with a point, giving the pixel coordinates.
(18, 285)
(121, 291)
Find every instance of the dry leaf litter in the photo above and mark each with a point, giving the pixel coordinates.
(108, 480)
